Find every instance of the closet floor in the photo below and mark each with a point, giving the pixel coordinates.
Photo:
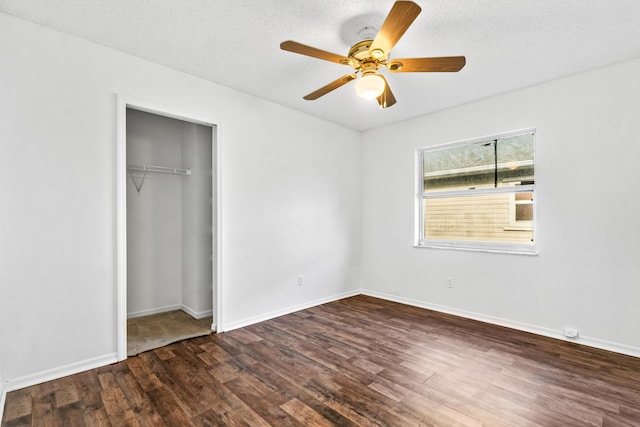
(157, 330)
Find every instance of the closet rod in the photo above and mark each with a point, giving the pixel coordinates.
(159, 169)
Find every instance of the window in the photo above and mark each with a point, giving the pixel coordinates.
(478, 194)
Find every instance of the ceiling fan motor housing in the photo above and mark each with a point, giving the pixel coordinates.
(360, 50)
(363, 59)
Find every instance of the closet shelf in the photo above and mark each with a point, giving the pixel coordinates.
(159, 169)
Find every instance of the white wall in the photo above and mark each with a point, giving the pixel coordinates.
(57, 180)
(587, 175)
(154, 215)
(197, 213)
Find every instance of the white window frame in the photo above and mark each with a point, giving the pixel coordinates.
(421, 195)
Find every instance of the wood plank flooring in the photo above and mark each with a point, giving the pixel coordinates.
(360, 361)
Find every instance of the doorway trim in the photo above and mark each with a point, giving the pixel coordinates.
(123, 102)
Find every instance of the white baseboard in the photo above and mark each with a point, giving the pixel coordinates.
(196, 314)
(156, 310)
(267, 316)
(62, 371)
(191, 312)
(551, 333)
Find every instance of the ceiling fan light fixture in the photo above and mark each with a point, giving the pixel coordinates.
(370, 86)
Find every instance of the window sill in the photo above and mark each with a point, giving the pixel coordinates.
(526, 252)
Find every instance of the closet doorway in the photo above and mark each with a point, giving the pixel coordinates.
(167, 248)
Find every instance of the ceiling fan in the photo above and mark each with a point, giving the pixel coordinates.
(367, 56)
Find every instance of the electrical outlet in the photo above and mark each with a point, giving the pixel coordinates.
(450, 282)
(300, 280)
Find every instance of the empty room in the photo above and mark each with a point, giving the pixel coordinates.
(367, 213)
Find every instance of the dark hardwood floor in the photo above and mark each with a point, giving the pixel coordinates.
(360, 361)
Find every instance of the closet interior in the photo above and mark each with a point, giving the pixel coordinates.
(170, 240)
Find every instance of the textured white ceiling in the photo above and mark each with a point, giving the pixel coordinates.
(509, 44)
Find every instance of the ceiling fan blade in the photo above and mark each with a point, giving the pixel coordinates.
(313, 52)
(331, 86)
(402, 14)
(387, 99)
(442, 64)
